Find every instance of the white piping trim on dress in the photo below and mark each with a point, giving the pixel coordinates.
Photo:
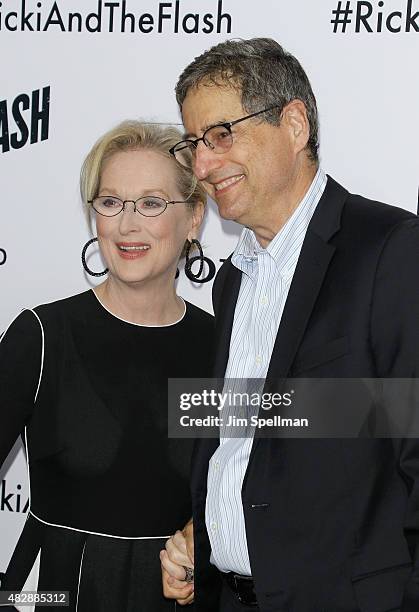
(29, 474)
(78, 584)
(142, 324)
(42, 354)
(98, 533)
(41, 369)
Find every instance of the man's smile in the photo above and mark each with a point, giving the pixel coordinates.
(226, 183)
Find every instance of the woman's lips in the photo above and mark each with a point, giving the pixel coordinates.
(132, 250)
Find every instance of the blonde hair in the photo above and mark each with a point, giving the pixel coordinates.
(133, 135)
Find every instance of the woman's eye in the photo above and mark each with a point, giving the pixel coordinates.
(110, 203)
(152, 203)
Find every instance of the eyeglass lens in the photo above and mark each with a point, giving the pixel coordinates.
(109, 206)
(218, 138)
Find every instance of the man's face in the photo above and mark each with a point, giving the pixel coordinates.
(250, 182)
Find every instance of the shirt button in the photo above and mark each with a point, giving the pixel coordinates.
(264, 300)
(258, 359)
(214, 526)
(216, 465)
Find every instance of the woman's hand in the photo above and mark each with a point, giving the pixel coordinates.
(184, 594)
(179, 554)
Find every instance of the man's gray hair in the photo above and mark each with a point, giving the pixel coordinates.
(263, 73)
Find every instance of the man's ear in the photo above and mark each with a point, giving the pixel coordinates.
(294, 115)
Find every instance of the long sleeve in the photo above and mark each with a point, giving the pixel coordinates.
(395, 307)
(20, 367)
(395, 336)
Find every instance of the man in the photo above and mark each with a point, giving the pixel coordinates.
(322, 284)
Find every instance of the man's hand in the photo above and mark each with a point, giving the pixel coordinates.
(179, 553)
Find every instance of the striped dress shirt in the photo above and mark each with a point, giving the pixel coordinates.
(266, 279)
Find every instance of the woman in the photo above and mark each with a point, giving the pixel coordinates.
(87, 376)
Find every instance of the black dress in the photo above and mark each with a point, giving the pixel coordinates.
(107, 484)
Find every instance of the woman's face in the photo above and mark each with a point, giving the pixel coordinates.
(138, 248)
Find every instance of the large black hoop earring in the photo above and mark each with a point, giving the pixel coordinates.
(84, 262)
(191, 260)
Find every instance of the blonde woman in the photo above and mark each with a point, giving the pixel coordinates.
(87, 377)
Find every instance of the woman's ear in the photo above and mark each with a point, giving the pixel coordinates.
(197, 218)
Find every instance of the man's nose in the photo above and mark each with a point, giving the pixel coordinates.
(205, 161)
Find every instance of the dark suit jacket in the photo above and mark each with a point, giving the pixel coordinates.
(332, 524)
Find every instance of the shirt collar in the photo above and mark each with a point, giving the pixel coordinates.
(285, 247)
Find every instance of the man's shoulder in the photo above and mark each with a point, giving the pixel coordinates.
(371, 218)
(379, 212)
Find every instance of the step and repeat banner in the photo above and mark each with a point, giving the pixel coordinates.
(72, 69)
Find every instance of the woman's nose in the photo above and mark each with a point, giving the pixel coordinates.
(129, 218)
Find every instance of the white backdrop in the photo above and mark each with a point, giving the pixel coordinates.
(365, 82)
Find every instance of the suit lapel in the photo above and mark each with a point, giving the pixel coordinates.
(308, 278)
(316, 254)
(226, 300)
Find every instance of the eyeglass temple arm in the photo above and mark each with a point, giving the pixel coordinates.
(265, 110)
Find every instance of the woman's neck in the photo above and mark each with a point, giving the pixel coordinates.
(146, 304)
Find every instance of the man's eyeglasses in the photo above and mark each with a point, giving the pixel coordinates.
(218, 138)
(149, 206)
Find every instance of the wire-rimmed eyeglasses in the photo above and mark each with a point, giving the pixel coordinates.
(148, 206)
(218, 138)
